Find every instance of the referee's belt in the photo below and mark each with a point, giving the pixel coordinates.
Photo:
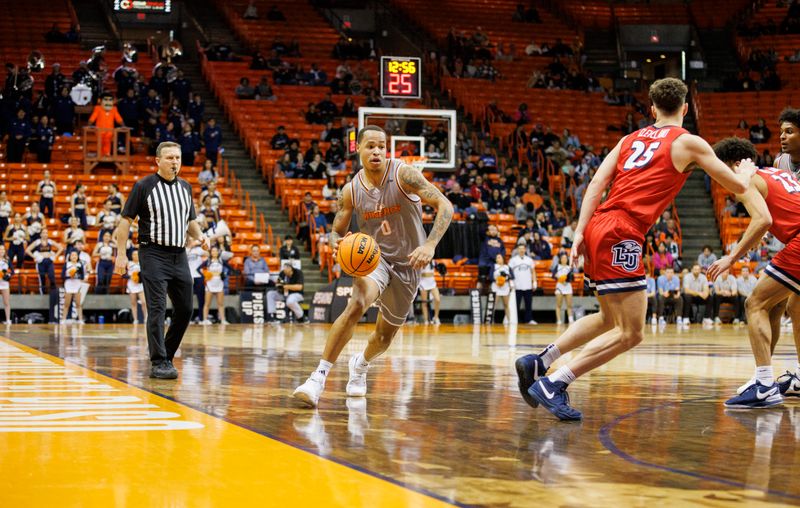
(167, 248)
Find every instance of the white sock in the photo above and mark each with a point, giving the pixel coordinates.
(764, 375)
(563, 374)
(361, 362)
(324, 367)
(549, 355)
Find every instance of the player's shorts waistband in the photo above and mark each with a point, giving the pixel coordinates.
(621, 285)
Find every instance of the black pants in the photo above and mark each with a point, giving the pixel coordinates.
(44, 155)
(15, 149)
(676, 305)
(16, 251)
(46, 270)
(47, 207)
(742, 315)
(526, 296)
(199, 288)
(688, 301)
(165, 271)
(105, 270)
(733, 300)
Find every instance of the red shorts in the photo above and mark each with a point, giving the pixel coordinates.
(613, 261)
(785, 267)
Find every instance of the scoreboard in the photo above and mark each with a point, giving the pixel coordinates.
(143, 6)
(401, 77)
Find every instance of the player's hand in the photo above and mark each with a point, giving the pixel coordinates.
(335, 245)
(719, 266)
(121, 264)
(746, 169)
(578, 249)
(421, 256)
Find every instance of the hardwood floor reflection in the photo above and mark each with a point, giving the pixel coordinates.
(443, 414)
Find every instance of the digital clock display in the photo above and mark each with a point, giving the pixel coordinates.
(401, 77)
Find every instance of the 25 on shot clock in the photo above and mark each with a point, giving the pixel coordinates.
(401, 77)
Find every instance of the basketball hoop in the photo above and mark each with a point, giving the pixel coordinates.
(418, 161)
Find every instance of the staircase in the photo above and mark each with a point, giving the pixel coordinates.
(720, 57)
(601, 52)
(698, 225)
(94, 24)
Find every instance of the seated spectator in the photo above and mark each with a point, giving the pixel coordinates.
(264, 91)
(539, 247)
(557, 223)
(327, 108)
(318, 76)
(696, 292)
(251, 12)
(330, 189)
(669, 295)
(317, 169)
(730, 207)
(280, 140)
(330, 132)
(568, 235)
(335, 157)
(244, 90)
(313, 116)
(522, 116)
(725, 291)
(745, 283)
(706, 258)
(254, 264)
(274, 14)
(259, 61)
(533, 49)
(55, 35)
(662, 259)
(288, 250)
(290, 290)
(760, 133)
(462, 202)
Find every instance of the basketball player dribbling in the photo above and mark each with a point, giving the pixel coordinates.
(648, 168)
(773, 203)
(387, 197)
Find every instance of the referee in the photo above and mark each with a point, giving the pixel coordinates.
(163, 203)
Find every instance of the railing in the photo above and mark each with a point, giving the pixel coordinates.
(104, 153)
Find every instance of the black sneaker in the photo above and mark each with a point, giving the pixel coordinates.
(302, 320)
(163, 370)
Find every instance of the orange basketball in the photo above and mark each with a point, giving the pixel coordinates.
(207, 275)
(358, 255)
(135, 277)
(500, 280)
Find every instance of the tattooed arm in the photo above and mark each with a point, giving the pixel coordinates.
(413, 182)
(342, 219)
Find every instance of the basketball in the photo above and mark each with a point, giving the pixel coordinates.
(500, 280)
(207, 275)
(135, 277)
(562, 278)
(358, 255)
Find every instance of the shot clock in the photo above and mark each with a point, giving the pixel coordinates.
(401, 77)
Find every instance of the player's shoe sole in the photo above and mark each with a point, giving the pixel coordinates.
(304, 397)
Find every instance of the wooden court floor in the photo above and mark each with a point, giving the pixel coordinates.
(81, 424)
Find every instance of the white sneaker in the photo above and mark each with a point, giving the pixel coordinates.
(532, 322)
(8, 322)
(571, 319)
(736, 321)
(717, 321)
(205, 322)
(436, 321)
(663, 322)
(505, 320)
(224, 322)
(559, 322)
(357, 384)
(653, 321)
(136, 321)
(309, 392)
(707, 321)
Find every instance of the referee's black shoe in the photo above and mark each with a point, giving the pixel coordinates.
(164, 370)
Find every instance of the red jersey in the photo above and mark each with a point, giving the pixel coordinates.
(783, 201)
(646, 180)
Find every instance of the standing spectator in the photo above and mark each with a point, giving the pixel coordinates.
(696, 292)
(44, 251)
(288, 250)
(53, 82)
(74, 276)
(652, 300)
(289, 289)
(18, 134)
(662, 259)
(213, 270)
(181, 89)
(78, 204)
(104, 251)
(45, 138)
(669, 295)
(745, 283)
(706, 258)
(16, 234)
(501, 284)
(523, 268)
(212, 137)
(7, 270)
(427, 286)
(196, 111)
(128, 108)
(491, 247)
(63, 112)
(252, 265)
(563, 274)
(5, 211)
(135, 287)
(725, 291)
(190, 145)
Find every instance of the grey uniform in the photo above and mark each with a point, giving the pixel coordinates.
(394, 218)
(784, 161)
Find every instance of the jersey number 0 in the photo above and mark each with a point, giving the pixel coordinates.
(642, 154)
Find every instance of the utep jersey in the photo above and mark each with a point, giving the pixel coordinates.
(783, 201)
(645, 180)
(389, 215)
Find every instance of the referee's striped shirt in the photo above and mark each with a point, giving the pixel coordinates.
(164, 209)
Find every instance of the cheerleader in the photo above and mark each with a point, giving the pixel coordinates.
(116, 198)
(563, 275)
(78, 203)
(105, 265)
(213, 271)
(16, 235)
(44, 251)
(427, 285)
(6, 271)
(135, 287)
(5, 211)
(74, 275)
(501, 283)
(73, 234)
